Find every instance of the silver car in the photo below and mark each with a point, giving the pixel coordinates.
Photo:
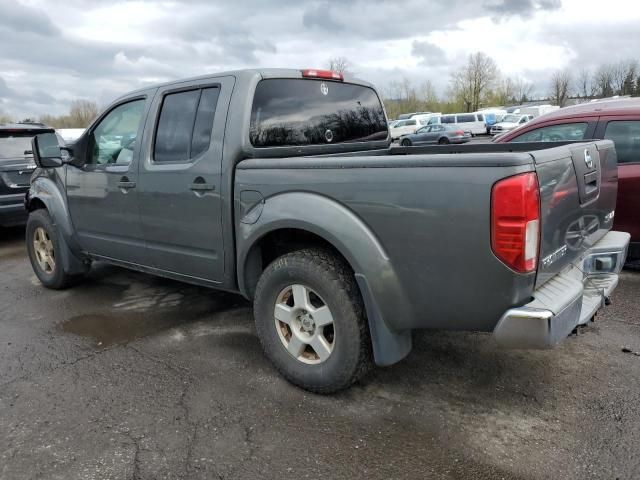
(439, 134)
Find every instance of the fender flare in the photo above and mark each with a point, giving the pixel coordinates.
(45, 190)
(378, 282)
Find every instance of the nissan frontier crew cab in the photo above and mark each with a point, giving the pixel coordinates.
(281, 185)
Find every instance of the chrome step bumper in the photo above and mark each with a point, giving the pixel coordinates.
(569, 299)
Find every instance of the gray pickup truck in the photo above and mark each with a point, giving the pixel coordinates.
(281, 185)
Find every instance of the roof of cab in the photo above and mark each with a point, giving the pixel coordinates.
(247, 72)
(615, 106)
(24, 126)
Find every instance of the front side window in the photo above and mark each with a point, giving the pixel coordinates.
(113, 140)
(554, 133)
(480, 117)
(626, 136)
(292, 112)
(185, 124)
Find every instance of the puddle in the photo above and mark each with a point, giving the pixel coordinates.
(121, 326)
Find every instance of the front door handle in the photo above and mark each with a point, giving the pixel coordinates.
(124, 184)
(202, 187)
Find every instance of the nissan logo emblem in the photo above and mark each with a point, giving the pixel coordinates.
(588, 161)
(328, 135)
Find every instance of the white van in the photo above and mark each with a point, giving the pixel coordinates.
(424, 118)
(404, 127)
(468, 122)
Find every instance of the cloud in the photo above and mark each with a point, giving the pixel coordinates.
(524, 8)
(19, 18)
(100, 50)
(428, 53)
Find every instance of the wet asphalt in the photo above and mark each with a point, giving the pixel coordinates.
(127, 376)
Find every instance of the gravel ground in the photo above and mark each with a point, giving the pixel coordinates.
(127, 376)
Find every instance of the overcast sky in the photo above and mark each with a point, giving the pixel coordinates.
(54, 52)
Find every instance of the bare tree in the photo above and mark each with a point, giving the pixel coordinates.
(584, 83)
(560, 84)
(428, 95)
(80, 115)
(340, 64)
(506, 91)
(603, 80)
(472, 82)
(82, 112)
(523, 90)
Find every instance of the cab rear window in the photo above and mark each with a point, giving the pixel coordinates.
(292, 112)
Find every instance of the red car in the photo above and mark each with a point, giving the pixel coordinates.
(617, 120)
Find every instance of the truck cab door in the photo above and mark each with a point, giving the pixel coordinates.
(101, 183)
(180, 179)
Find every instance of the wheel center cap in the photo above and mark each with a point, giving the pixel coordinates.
(307, 323)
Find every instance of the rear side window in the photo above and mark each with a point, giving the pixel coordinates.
(554, 133)
(185, 124)
(290, 112)
(448, 119)
(466, 118)
(626, 136)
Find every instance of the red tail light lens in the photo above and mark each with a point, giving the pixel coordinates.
(328, 74)
(515, 221)
(460, 133)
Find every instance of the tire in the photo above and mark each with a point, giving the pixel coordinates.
(443, 141)
(406, 142)
(346, 344)
(41, 230)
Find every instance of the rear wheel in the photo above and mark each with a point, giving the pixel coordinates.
(443, 141)
(310, 320)
(45, 251)
(406, 142)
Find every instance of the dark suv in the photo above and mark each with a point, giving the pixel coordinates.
(617, 120)
(16, 166)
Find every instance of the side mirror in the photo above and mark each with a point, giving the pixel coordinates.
(46, 151)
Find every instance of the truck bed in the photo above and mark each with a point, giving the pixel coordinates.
(429, 210)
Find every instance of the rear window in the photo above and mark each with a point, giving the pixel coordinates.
(626, 137)
(311, 112)
(14, 144)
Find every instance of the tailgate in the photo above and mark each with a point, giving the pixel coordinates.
(578, 187)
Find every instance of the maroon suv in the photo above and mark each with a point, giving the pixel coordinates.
(617, 120)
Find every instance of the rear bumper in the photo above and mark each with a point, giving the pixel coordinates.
(569, 299)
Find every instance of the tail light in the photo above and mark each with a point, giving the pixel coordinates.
(328, 74)
(459, 133)
(515, 221)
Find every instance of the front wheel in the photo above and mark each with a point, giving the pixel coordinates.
(310, 321)
(45, 251)
(406, 142)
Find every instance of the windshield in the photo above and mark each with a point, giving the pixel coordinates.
(511, 118)
(14, 145)
(313, 112)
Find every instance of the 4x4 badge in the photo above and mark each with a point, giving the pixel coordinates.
(324, 88)
(588, 161)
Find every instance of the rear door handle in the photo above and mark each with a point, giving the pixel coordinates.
(126, 184)
(202, 187)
